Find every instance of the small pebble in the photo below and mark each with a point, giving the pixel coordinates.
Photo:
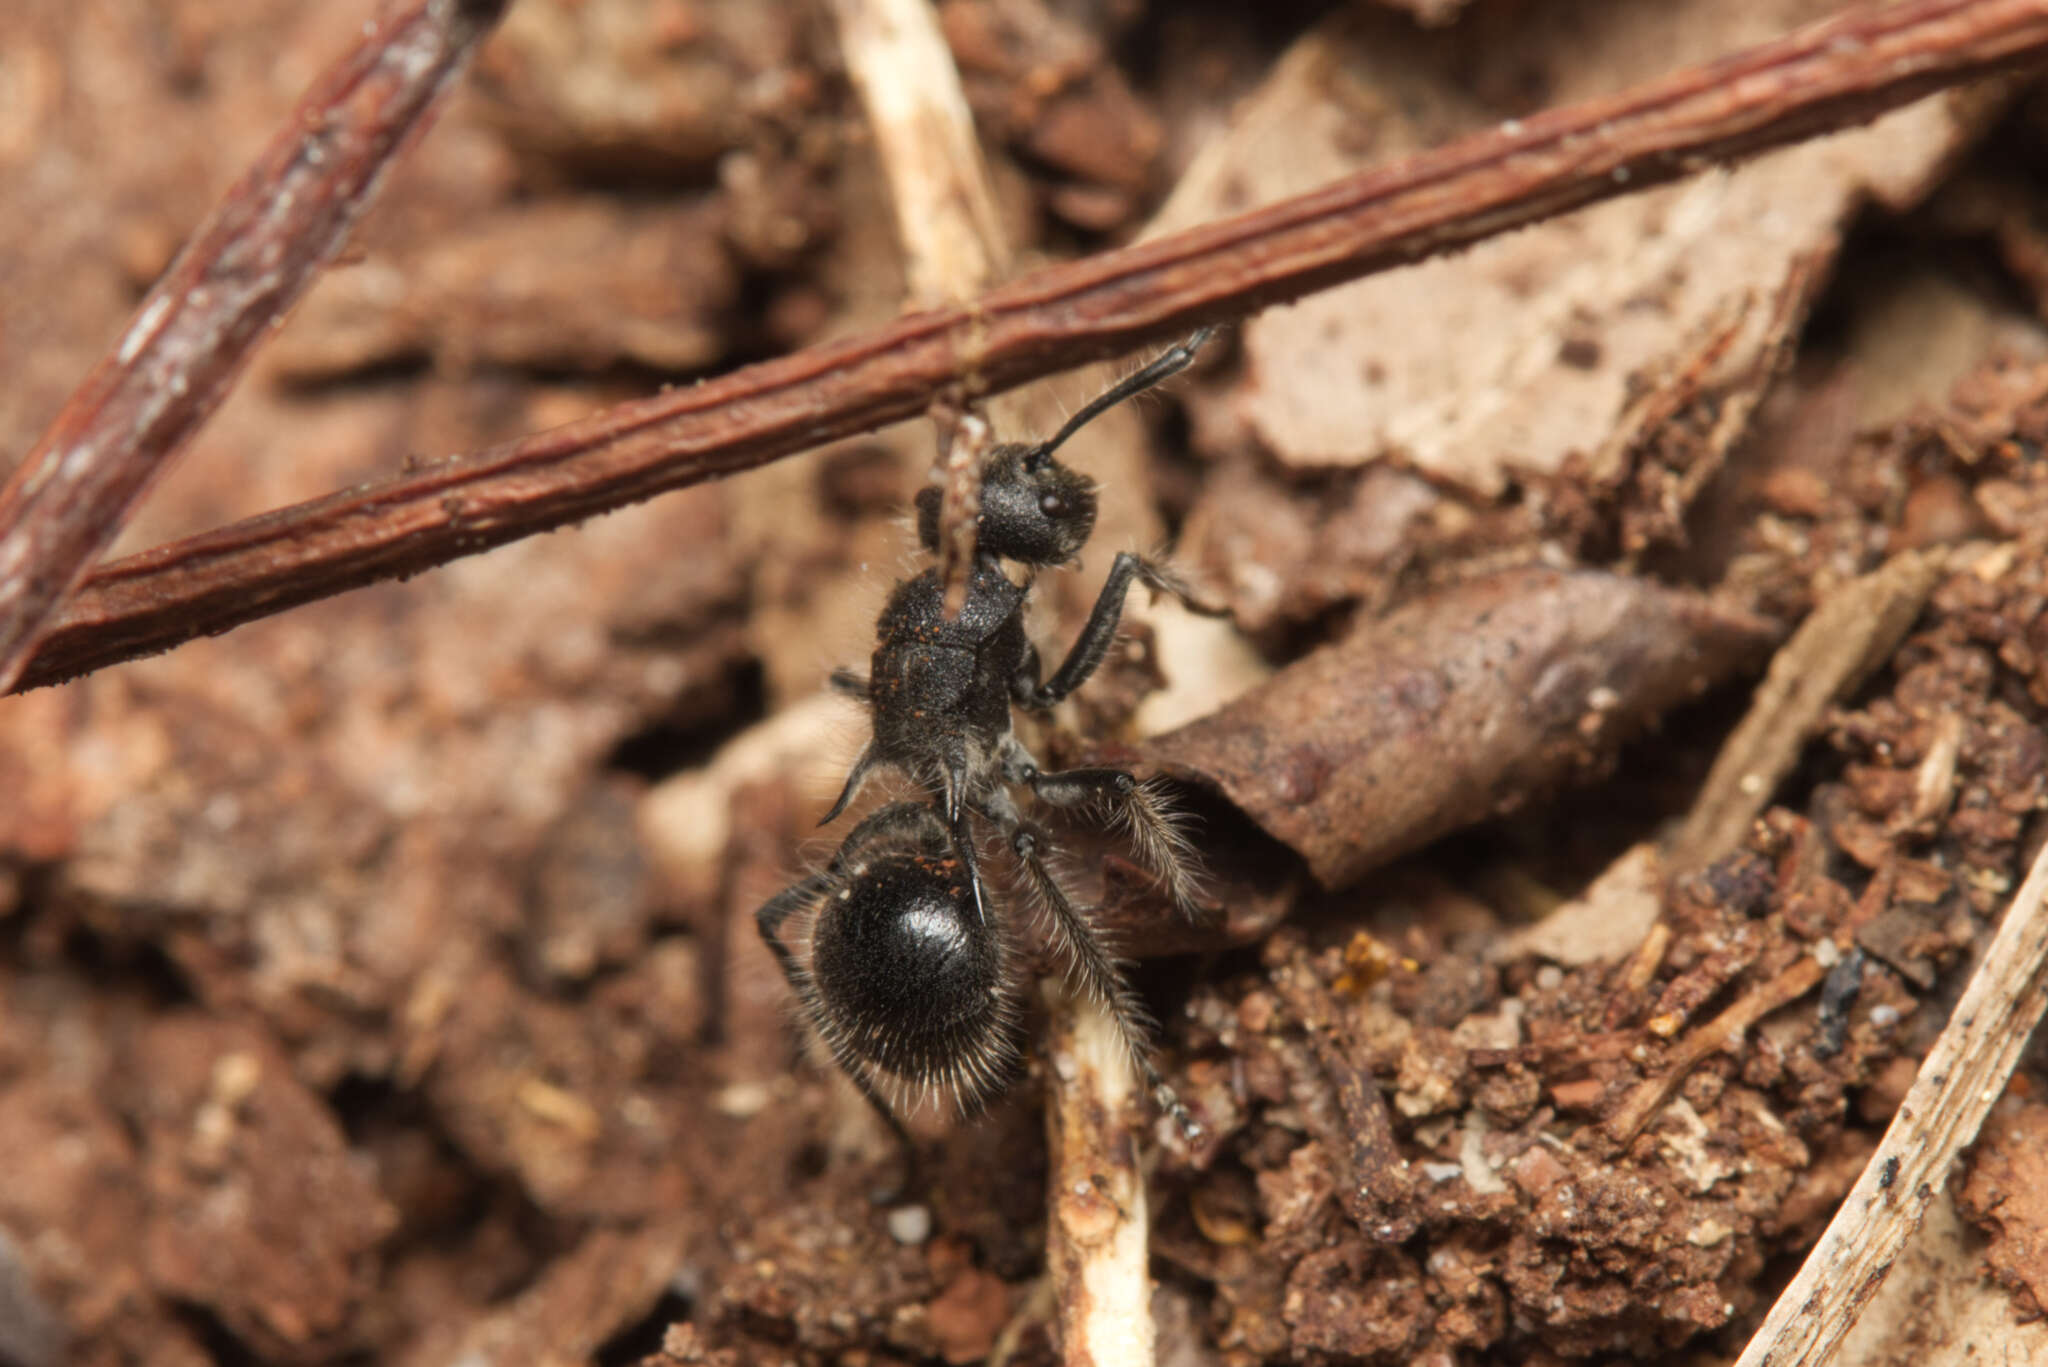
(910, 1225)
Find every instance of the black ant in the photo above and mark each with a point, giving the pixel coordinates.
(911, 976)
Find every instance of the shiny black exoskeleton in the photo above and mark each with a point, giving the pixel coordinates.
(908, 978)
(902, 969)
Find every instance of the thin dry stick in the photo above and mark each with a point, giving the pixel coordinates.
(1854, 629)
(1825, 76)
(1964, 1073)
(953, 243)
(1725, 1031)
(1097, 1250)
(249, 262)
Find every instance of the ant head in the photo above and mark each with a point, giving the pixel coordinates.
(907, 979)
(1033, 509)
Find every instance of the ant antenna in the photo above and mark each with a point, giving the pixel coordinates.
(1168, 363)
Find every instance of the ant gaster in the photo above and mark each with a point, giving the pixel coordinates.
(911, 979)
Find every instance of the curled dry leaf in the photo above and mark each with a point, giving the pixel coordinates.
(1457, 706)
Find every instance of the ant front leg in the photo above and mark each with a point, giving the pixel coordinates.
(1097, 635)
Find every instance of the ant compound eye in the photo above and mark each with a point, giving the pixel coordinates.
(910, 980)
(1052, 505)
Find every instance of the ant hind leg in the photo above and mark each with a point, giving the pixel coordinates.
(907, 1176)
(1091, 963)
(1161, 839)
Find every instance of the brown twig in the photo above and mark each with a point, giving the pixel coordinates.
(249, 262)
(1825, 76)
(1963, 1074)
(1378, 1192)
(1725, 1031)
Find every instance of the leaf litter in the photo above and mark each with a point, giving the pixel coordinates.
(368, 985)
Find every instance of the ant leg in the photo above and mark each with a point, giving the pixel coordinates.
(851, 685)
(898, 818)
(959, 821)
(905, 1145)
(1162, 843)
(777, 909)
(856, 777)
(1100, 630)
(891, 823)
(1090, 961)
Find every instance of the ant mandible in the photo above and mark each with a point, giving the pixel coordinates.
(911, 977)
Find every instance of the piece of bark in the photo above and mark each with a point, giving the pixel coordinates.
(1535, 346)
(1457, 706)
(258, 1208)
(2007, 1194)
